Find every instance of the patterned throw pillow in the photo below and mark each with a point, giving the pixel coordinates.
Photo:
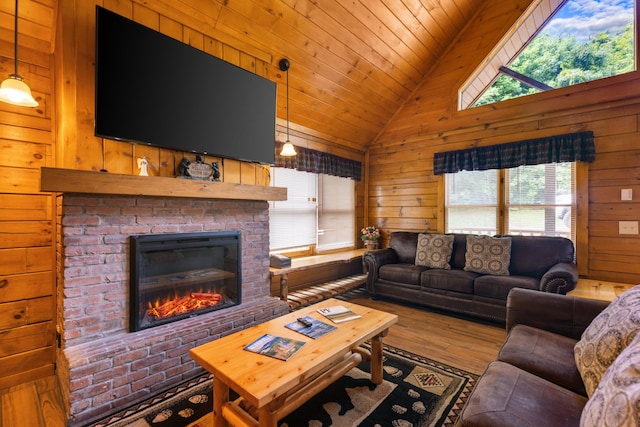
(434, 250)
(488, 255)
(616, 400)
(606, 336)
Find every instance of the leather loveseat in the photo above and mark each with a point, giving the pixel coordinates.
(533, 262)
(566, 362)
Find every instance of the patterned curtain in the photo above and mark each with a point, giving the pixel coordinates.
(571, 147)
(308, 160)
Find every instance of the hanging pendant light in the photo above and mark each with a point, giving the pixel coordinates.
(288, 148)
(14, 90)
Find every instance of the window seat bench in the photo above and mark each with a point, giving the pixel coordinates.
(316, 293)
(311, 279)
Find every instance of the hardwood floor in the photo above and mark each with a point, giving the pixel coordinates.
(32, 404)
(463, 343)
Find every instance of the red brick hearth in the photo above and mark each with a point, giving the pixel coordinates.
(102, 367)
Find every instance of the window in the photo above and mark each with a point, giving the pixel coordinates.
(335, 212)
(556, 43)
(318, 214)
(292, 222)
(527, 200)
(539, 199)
(472, 202)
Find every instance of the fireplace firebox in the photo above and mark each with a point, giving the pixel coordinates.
(175, 276)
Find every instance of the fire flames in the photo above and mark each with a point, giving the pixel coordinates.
(181, 305)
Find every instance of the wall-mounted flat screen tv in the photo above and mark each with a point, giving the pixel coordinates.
(155, 90)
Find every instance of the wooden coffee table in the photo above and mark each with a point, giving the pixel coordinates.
(270, 388)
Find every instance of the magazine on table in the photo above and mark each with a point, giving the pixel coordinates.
(279, 347)
(316, 329)
(338, 313)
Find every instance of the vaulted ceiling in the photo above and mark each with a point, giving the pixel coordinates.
(353, 63)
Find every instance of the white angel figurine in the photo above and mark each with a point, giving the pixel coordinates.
(142, 165)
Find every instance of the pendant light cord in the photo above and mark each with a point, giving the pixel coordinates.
(287, 148)
(15, 41)
(287, 104)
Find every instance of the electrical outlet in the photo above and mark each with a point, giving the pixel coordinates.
(628, 227)
(626, 194)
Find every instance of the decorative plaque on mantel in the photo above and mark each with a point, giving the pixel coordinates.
(198, 170)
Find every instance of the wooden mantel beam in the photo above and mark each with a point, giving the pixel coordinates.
(90, 182)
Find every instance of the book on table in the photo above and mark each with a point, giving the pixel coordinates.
(279, 347)
(338, 313)
(315, 330)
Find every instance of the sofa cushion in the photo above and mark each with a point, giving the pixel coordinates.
(498, 287)
(616, 400)
(434, 250)
(509, 396)
(449, 280)
(535, 255)
(606, 336)
(404, 243)
(544, 354)
(402, 273)
(488, 255)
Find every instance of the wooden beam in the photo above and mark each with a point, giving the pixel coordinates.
(89, 182)
(524, 79)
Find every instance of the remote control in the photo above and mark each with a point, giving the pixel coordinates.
(304, 322)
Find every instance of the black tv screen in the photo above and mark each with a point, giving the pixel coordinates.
(155, 90)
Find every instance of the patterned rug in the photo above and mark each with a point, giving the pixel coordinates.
(416, 392)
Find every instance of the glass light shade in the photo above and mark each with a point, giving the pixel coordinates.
(288, 150)
(14, 91)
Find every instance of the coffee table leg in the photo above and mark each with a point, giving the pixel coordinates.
(376, 357)
(220, 397)
(266, 417)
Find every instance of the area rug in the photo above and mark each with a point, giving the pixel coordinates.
(416, 392)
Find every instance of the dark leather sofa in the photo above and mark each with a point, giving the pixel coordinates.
(537, 262)
(535, 380)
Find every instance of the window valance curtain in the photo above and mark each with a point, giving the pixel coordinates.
(571, 147)
(315, 161)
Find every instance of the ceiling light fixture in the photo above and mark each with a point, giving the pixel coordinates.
(14, 90)
(287, 148)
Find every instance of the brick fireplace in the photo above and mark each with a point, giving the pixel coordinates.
(102, 367)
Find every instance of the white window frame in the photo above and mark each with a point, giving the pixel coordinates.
(503, 206)
(327, 204)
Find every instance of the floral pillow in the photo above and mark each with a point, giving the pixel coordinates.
(434, 250)
(606, 336)
(616, 400)
(488, 255)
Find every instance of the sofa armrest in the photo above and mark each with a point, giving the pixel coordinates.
(373, 260)
(561, 314)
(560, 279)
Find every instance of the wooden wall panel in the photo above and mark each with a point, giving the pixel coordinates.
(25, 338)
(14, 366)
(25, 207)
(26, 312)
(27, 285)
(21, 154)
(118, 157)
(26, 260)
(24, 286)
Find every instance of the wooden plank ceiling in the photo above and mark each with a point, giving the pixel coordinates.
(353, 63)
